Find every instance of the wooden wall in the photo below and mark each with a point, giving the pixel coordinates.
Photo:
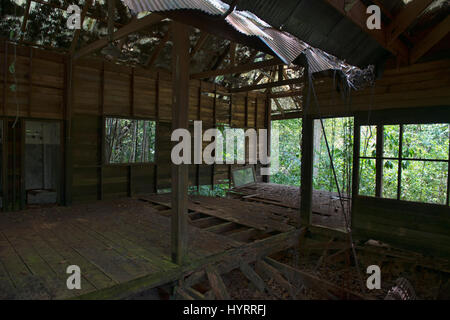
(419, 85)
(101, 89)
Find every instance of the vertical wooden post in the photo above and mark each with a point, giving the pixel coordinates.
(379, 161)
(102, 134)
(307, 163)
(268, 125)
(400, 158)
(356, 161)
(68, 168)
(180, 119)
(306, 188)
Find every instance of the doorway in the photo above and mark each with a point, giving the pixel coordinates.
(42, 162)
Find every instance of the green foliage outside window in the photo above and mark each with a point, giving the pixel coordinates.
(290, 132)
(129, 141)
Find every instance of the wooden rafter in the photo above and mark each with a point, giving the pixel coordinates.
(25, 20)
(357, 14)
(237, 69)
(77, 33)
(201, 41)
(436, 35)
(132, 27)
(404, 19)
(233, 54)
(158, 50)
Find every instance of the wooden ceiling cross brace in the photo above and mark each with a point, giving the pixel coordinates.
(132, 27)
(405, 18)
(358, 15)
(430, 40)
(237, 69)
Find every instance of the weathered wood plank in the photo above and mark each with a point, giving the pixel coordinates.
(217, 284)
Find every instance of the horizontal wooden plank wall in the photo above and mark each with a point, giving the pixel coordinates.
(102, 89)
(420, 85)
(416, 226)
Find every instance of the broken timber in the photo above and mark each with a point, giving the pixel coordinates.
(223, 262)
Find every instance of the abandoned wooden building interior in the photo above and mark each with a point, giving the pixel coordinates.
(361, 118)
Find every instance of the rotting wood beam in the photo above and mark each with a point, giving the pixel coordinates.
(252, 276)
(430, 40)
(132, 27)
(237, 69)
(224, 262)
(180, 120)
(319, 285)
(357, 14)
(405, 18)
(217, 284)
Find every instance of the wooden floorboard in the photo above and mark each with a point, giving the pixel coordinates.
(114, 243)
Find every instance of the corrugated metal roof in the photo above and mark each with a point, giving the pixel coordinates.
(320, 25)
(286, 46)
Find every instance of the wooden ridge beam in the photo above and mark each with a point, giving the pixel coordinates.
(267, 85)
(431, 39)
(132, 27)
(358, 15)
(405, 18)
(237, 69)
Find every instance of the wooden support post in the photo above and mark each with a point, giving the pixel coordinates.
(306, 188)
(400, 159)
(379, 161)
(68, 165)
(355, 173)
(268, 124)
(180, 119)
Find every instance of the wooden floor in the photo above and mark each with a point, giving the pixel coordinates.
(327, 209)
(117, 243)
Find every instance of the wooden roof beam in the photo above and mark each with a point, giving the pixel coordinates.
(131, 27)
(405, 18)
(358, 15)
(268, 85)
(200, 42)
(237, 69)
(158, 50)
(430, 40)
(25, 20)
